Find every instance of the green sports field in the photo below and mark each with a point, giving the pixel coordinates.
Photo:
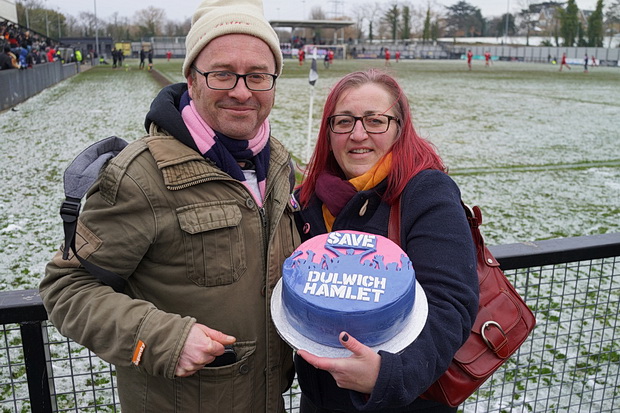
(536, 149)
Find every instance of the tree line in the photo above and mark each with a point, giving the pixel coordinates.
(565, 24)
(148, 22)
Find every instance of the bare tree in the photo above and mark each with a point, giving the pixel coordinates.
(118, 27)
(87, 22)
(370, 15)
(612, 19)
(150, 21)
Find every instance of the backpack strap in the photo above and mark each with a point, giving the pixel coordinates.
(78, 178)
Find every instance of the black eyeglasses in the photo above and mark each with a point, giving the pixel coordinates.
(225, 80)
(372, 123)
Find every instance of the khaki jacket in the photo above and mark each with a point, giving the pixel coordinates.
(194, 247)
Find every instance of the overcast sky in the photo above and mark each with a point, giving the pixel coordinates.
(178, 10)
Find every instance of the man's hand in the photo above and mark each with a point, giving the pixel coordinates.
(203, 344)
(357, 372)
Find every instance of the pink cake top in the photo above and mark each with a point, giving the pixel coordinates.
(334, 244)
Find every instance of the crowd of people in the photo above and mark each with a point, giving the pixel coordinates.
(22, 48)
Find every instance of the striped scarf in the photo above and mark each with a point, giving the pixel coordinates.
(225, 151)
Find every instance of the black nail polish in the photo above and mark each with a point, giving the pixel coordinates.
(345, 338)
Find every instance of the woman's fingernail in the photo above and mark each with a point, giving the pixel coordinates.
(345, 338)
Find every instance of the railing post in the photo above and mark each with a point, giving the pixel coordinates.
(35, 357)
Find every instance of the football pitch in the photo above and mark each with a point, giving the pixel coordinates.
(537, 149)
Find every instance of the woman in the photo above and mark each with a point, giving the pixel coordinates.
(367, 156)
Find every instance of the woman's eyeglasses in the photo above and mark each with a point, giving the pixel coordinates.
(371, 123)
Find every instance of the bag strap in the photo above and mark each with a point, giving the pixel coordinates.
(78, 178)
(474, 218)
(394, 223)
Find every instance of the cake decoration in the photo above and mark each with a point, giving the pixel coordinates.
(350, 281)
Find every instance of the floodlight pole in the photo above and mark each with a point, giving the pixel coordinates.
(507, 17)
(96, 30)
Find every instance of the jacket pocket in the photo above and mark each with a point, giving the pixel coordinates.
(230, 389)
(213, 242)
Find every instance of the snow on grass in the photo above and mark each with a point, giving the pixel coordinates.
(39, 139)
(536, 149)
(490, 126)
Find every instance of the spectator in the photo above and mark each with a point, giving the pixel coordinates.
(51, 54)
(22, 52)
(199, 226)
(371, 165)
(8, 59)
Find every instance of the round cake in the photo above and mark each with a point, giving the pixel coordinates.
(348, 281)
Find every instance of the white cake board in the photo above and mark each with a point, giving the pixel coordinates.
(411, 329)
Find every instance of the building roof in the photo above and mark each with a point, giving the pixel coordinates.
(312, 24)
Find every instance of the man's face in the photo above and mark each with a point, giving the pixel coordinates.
(237, 113)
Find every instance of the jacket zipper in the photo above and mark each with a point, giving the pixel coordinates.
(264, 229)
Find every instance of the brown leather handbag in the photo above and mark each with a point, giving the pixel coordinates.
(503, 323)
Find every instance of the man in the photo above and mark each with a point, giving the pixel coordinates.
(564, 63)
(150, 56)
(487, 58)
(197, 218)
(8, 59)
(469, 57)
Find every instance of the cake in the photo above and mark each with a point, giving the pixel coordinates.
(348, 281)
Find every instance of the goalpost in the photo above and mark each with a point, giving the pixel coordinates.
(340, 50)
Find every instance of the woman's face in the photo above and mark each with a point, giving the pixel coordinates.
(358, 151)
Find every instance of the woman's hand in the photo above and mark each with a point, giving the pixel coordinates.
(357, 372)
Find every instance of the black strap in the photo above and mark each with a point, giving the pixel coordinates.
(69, 212)
(78, 177)
(394, 223)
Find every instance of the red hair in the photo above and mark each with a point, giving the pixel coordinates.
(410, 152)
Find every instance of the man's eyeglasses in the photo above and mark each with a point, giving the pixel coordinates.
(225, 80)
(371, 123)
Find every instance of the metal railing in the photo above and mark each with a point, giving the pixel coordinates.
(21, 84)
(570, 363)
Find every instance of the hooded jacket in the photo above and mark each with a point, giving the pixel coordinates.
(194, 247)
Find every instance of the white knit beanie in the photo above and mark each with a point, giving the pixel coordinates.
(215, 18)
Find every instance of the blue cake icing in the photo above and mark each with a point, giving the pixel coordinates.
(340, 282)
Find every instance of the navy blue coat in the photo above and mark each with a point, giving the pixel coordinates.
(436, 236)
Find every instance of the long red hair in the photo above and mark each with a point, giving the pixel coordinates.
(410, 152)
